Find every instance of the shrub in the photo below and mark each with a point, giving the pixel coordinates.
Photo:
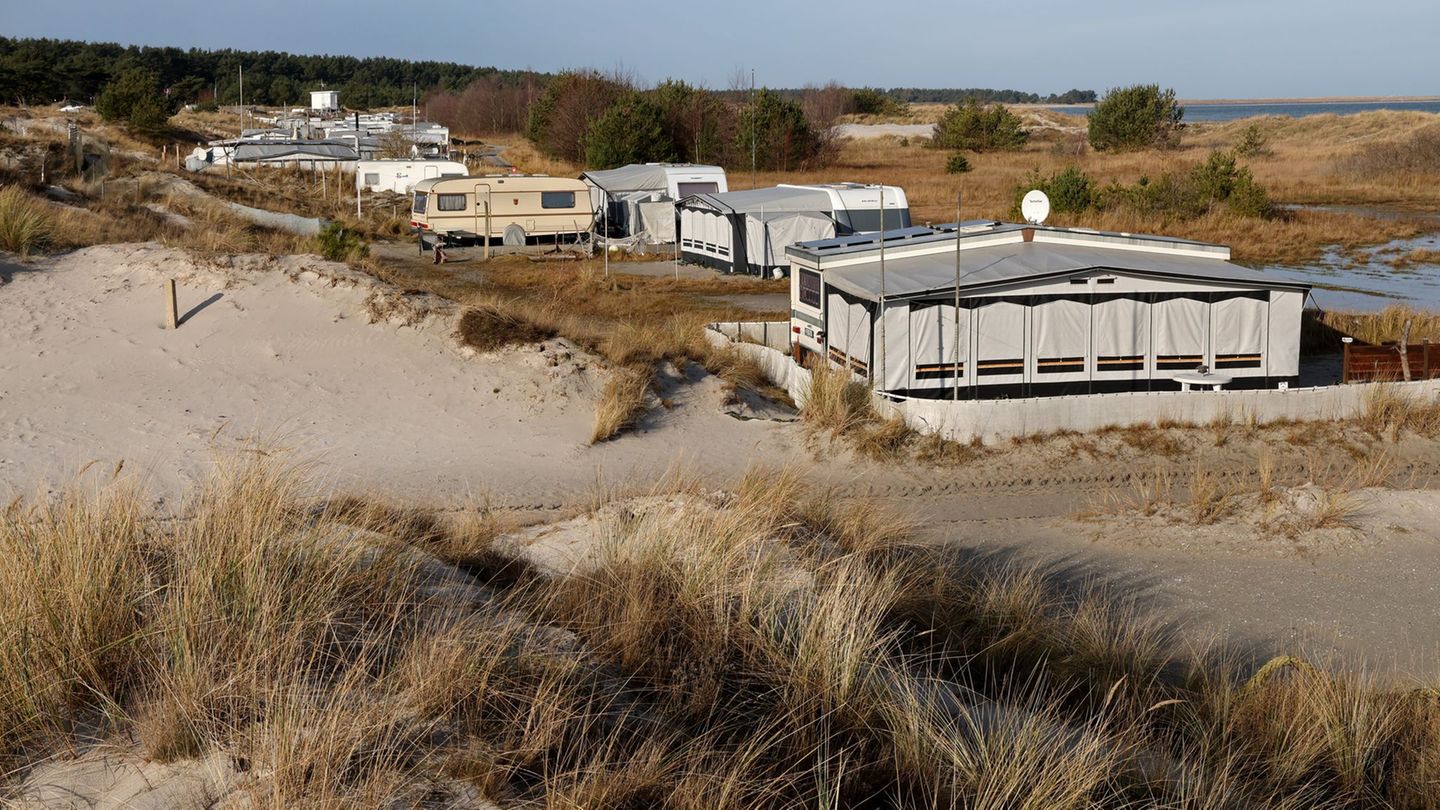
(341, 244)
(631, 131)
(1416, 156)
(1071, 191)
(133, 98)
(782, 137)
(490, 327)
(1253, 143)
(871, 101)
(1136, 117)
(979, 127)
(957, 164)
(25, 222)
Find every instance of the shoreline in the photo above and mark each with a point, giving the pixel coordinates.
(1243, 102)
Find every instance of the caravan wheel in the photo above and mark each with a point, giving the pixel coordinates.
(514, 236)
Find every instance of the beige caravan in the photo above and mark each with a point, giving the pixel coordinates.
(512, 207)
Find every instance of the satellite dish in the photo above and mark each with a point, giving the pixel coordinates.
(1035, 207)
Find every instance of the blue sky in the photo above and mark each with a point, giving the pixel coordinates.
(1215, 49)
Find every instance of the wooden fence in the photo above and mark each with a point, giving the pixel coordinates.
(1365, 363)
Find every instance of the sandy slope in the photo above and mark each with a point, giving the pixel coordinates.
(284, 350)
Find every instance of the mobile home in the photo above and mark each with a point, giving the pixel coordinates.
(639, 199)
(399, 176)
(748, 231)
(987, 309)
(512, 207)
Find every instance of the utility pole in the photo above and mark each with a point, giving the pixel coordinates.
(754, 130)
(955, 370)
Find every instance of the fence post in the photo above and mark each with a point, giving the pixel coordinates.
(171, 310)
(1425, 362)
(1345, 363)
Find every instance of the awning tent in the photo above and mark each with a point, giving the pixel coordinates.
(716, 229)
(1049, 316)
(621, 194)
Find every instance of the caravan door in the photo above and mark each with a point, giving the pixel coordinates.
(431, 171)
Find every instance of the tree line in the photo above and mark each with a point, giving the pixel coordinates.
(41, 71)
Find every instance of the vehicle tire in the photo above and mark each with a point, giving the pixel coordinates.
(514, 236)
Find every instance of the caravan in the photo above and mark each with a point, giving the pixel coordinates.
(512, 207)
(399, 176)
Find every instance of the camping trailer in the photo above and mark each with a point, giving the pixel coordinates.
(748, 231)
(639, 200)
(399, 176)
(517, 207)
(1041, 311)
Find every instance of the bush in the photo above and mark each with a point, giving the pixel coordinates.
(25, 222)
(980, 128)
(1136, 117)
(133, 98)
(631, 131)
(957, 164)
(1253, 143)
(341, 244)
(1071, 191)
(870, 101)
(782, 137)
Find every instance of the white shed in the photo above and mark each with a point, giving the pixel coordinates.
(991, 309)
(325, 100)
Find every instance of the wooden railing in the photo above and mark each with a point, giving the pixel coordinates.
(1365, 363)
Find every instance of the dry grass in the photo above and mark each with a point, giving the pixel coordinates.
(776, 648)
(1322, 331)
(26, 223)
(1391, 411)
(622, 403)
(487, 328)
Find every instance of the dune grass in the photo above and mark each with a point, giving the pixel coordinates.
(775, 648)
(26, 223)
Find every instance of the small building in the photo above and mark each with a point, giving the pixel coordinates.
(748, 231)
(987, 309)
(517, 208)
(325, 100)
(639, 200)
(400, 176)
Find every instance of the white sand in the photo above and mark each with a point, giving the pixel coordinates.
(287, 353)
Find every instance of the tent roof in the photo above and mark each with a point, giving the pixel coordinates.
(910, 276)
(640, 176)
(314, 150)
(777, 199)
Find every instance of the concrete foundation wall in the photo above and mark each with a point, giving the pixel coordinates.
(998, 419)
(774, 334)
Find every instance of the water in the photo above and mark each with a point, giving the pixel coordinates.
(1365, 280)
(1230, 112)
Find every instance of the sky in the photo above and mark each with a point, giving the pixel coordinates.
(1214, 49)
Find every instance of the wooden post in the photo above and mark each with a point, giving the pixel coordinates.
(1345, 363)
(486, 235)
(171, 310)
(1425, 360)
(1404, 349)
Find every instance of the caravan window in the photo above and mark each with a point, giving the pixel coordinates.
(557, 199)
(420, 198)
(450, 202)
(687, 189)
(372, 178)
(810, 288)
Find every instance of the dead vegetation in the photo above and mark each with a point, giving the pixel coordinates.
(839, 405)
(769, 648)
